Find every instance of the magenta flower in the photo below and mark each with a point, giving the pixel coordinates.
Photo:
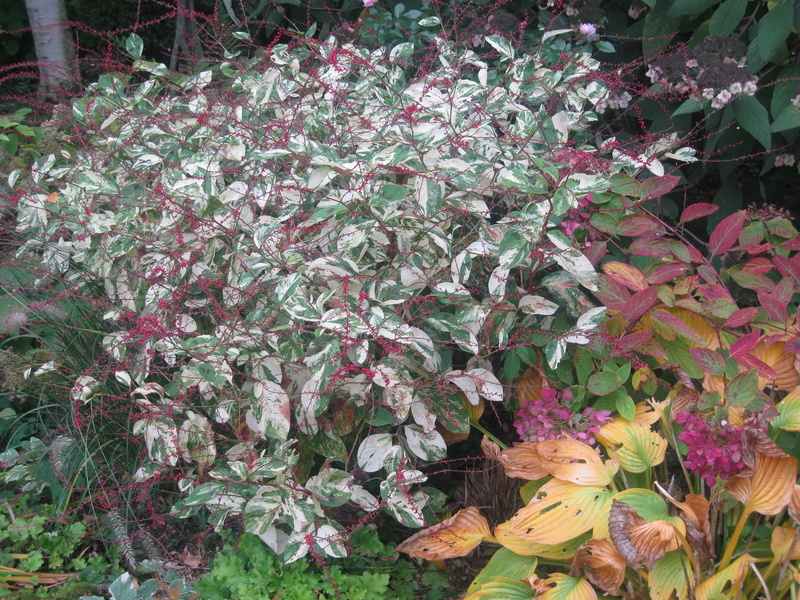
(587, 29)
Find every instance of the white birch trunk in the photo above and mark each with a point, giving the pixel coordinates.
(55, 53)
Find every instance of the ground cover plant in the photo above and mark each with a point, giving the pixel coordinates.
(300, 278)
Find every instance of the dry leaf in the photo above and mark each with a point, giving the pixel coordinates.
(571, 460)
(602, 564)
(456, 536)
(521, 461)
(769, 489)
(694, 514)
(794, 504)
(785, 542)
(640, 543)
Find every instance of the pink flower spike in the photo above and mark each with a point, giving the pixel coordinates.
(587, 29)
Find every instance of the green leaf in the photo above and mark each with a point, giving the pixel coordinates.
(753, 118)
(773, 29)
(689, 106)
(134, 45)
(659, 28)
(505, 563)
(743, 389)
(679, 8)
(668, 578)
(789, 118)
(727, 17)
(602, 384)
(626, 407)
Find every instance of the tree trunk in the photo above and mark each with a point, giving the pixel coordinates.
(55, 53)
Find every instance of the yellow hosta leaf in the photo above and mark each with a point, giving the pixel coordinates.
(505, 563)
(646, 413)
(667, 580)
(602, 564)
(560, 511)
(571, 460)
(456, 536)
(525, 547)
(529, 385)
(788, 412)
(769, 489)
(711, 588)
(563, 587)
(785, 544)
(637, 447)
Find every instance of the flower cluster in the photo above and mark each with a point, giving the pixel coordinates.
(547, 418)
(716, 448)
(784, 160)
(613, 101)
(714, 70)
(578, 218)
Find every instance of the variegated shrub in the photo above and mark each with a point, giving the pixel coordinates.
(310, 261)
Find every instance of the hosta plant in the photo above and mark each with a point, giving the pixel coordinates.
(651, 450)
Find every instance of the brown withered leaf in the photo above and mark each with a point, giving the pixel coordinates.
(456, 536)
(794, 504)
(694, 514)
(640, 543)
(684, 399)
(521, 461)
(602, 564)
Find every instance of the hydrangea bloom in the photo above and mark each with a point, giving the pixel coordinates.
(546, 418)
(716, 448)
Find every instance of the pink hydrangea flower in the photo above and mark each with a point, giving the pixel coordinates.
(587, 29)
(368, 3)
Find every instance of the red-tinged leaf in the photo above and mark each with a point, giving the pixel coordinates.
(741, 317)
(689, 304)
(772, 339)
(791, 244)
(745, 343)
(708, 360)
(715, 290)
(654, 349)
(792, 346)
(758, 264)
(635, 226)
(666, 273)
(785, 290)
(708, 274)
(754, 248)
(726, 233)
(612, 294)
(639, 304)
(677, 325)
(655, 187)
(783, 265)
(752, 234)
(698, 211)
(792, 264)
(774, 307)
(628, 275)
(753, 281)
(749, 361)
(632, 341)
(596, 252)
(782, 228)
(696, 255)
(651, 246)
(721, 308)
